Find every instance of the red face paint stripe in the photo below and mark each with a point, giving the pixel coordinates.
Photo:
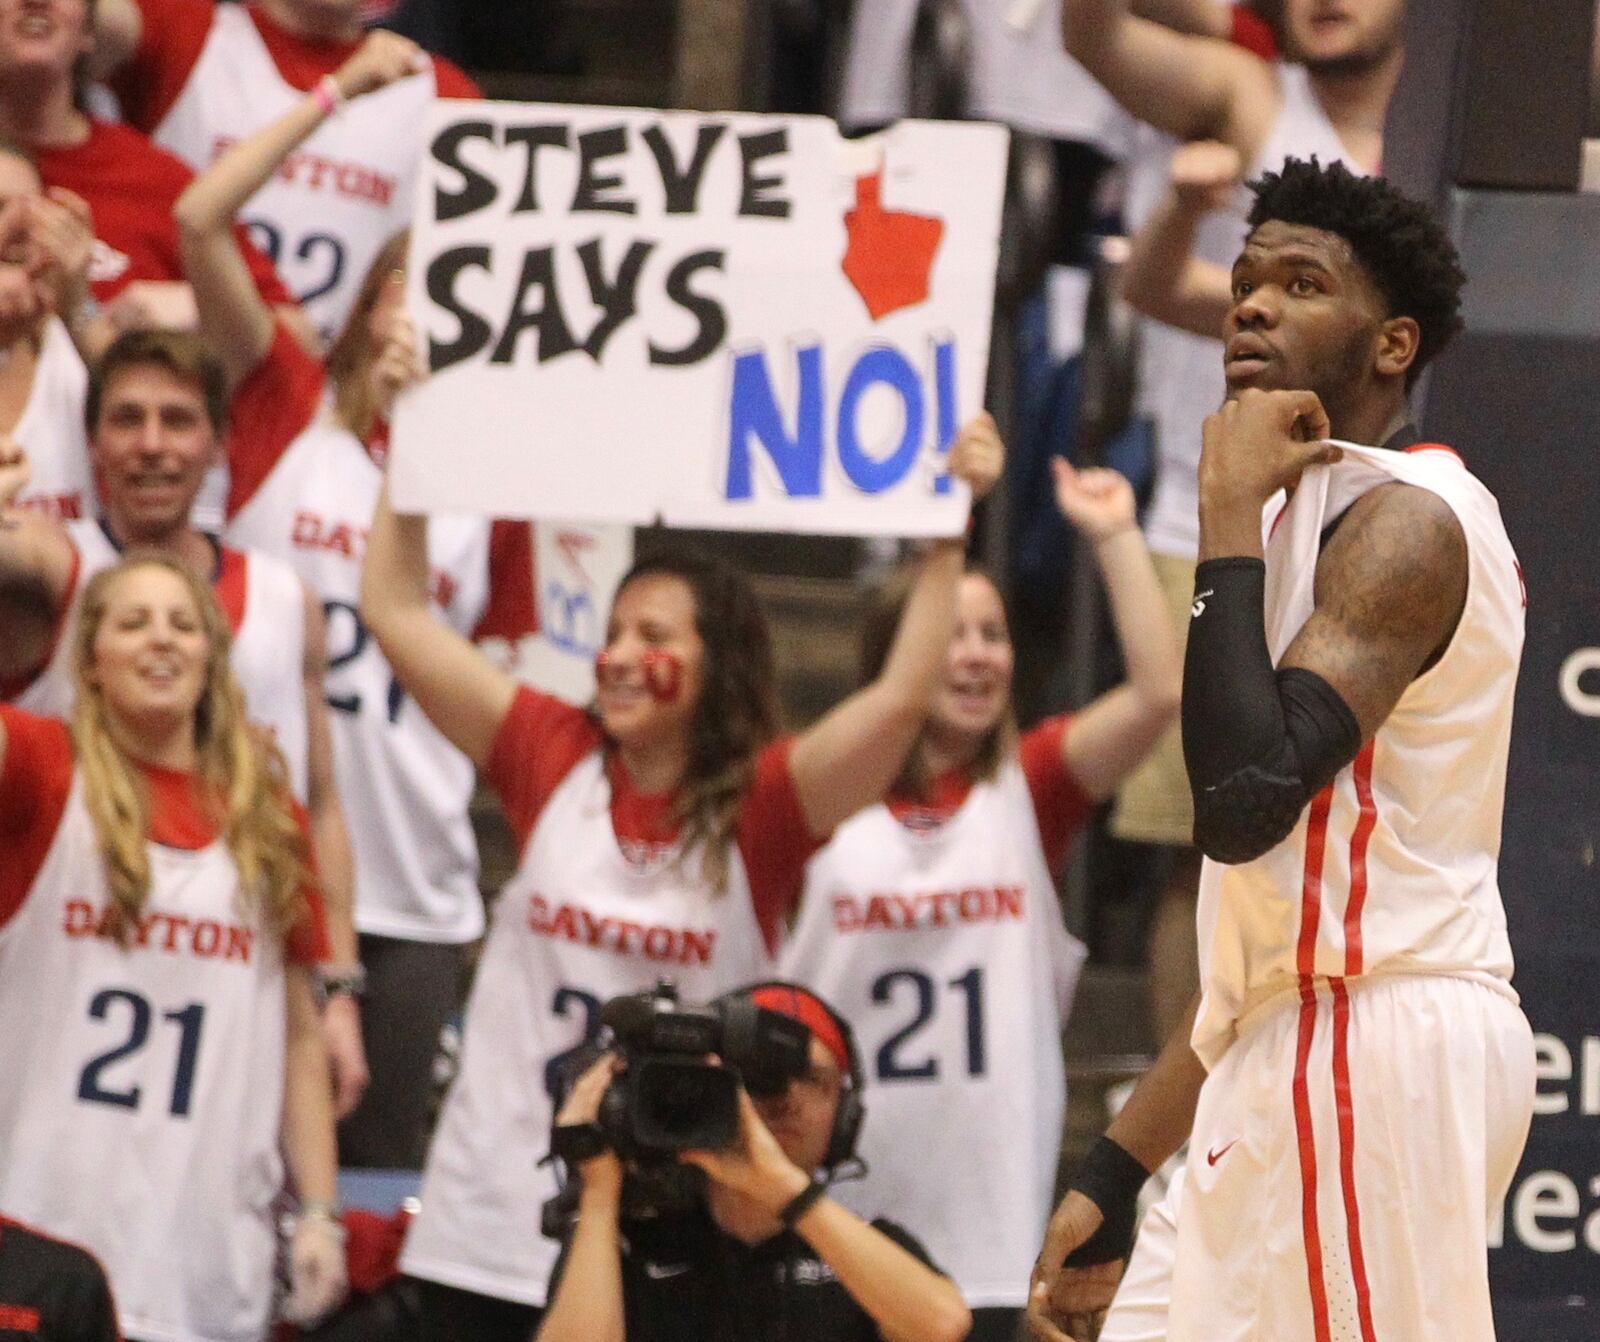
(1345, 1105)
(1366, 820)
(1306, 1139)
(1311, 885)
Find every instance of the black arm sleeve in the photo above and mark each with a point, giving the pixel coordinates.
(1258, 743)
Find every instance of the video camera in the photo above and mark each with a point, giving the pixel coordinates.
(669, 1098)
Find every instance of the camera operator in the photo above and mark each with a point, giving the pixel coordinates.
(768, 1255)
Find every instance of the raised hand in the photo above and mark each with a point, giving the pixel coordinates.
(1205, 174)
(1097, 501)
(978, 456)
(382, 59)
(61, 234)
(582, 1105)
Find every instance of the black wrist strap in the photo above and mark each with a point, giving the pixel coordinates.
(1111, 1179)
(802, 1202)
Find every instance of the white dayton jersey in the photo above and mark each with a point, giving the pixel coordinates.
(1393, 868)
(585, 918)
(144, 1085)
(405, 789)
(1181, 381)
(265, 606)
(942, 944)
(50, 430)
(345, 192)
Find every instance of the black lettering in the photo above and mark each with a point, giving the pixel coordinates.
(477, 190)
(616, 297)
(535, 138)
(683, 188)
(754, 148)
(713, 321)
(594, 145)
(555, 338)
(443, 271)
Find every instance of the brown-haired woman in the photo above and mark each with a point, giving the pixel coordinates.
(157, 924)
(932, 922)
(662, 833)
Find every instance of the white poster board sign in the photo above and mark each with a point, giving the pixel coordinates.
(732, 321)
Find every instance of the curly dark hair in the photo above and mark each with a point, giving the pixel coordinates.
(1399, 242)
(738, 710)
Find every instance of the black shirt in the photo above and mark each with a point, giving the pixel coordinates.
(51, 1291)
(684, 1280)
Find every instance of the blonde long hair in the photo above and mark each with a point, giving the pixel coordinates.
(240, 771)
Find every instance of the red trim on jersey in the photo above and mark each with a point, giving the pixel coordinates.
(1305, 1139)
(1060, 805)
(232, 585)
(1311, 884)
(513, 609)
(270, 409)
(775, 840)
(1435, 447)
(1366, 821)
(1345, 1106)
(132, 185)
(539, 742)
(35, 781)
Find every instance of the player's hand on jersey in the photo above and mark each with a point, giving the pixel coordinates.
(15, 472)
(601, 1173)
(1068, 1304)
(1098, 501)
(61, 229)
(1205, 174)
(1261, 442)
(347, 1055)
(317, 1274)
(381, 59)
(155, 305)
(977, 455)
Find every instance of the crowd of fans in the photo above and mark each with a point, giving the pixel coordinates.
(217, 943)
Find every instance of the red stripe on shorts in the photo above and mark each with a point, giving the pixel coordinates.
(1345, 1105)
(1366, 821)
(1305, 1136)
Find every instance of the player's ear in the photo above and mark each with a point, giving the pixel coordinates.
(1399, 339)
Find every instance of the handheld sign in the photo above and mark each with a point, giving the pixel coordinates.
(731, 321)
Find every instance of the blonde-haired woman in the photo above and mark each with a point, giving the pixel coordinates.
(157, 924)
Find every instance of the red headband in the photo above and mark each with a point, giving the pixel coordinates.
(798, 1004)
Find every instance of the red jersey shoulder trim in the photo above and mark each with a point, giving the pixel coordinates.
(232, 585)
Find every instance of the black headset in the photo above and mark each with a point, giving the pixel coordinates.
(851, 1111)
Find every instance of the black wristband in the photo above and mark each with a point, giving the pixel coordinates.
(802, 1202)
(575, 1143)
(1111, 1179)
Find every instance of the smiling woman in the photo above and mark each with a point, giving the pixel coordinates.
(149, 1054)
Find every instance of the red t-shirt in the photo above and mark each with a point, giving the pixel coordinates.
(175, 32)
(278, 401)
(132, 187)
(1060, 805)
(541, 741)
(35, 781)
(1254, 33)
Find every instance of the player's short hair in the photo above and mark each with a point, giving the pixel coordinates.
(182, 353)
(1399, 242)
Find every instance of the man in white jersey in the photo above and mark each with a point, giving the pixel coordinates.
(198, 76)
(1359, 1077)
(155, 412)
(1327, 98)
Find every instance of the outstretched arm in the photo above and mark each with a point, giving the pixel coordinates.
(1114, 733)
(848, 760)
(1162, 277)
(1188, 86)
(36, 565)
(234, 318)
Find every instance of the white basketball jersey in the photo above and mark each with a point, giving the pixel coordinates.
(404, 788)
(50, 430)
(268, 656)
(577, 925)
(946, 952)
(1181, 376)
(339, 197)
(147, 1127)
(1393, 867)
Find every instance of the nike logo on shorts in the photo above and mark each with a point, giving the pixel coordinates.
(1214, 1155)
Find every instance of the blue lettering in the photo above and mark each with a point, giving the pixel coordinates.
(754, 412)
(890, 368)
(944, 381)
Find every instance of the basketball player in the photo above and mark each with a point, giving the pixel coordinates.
(1359, 1075)
(201, 76)
(156, 410)
(1326, 97)
(158, 922)
(664, 832)
(932, 920)
(308, 480)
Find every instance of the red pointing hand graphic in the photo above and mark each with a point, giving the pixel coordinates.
(891, 252)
